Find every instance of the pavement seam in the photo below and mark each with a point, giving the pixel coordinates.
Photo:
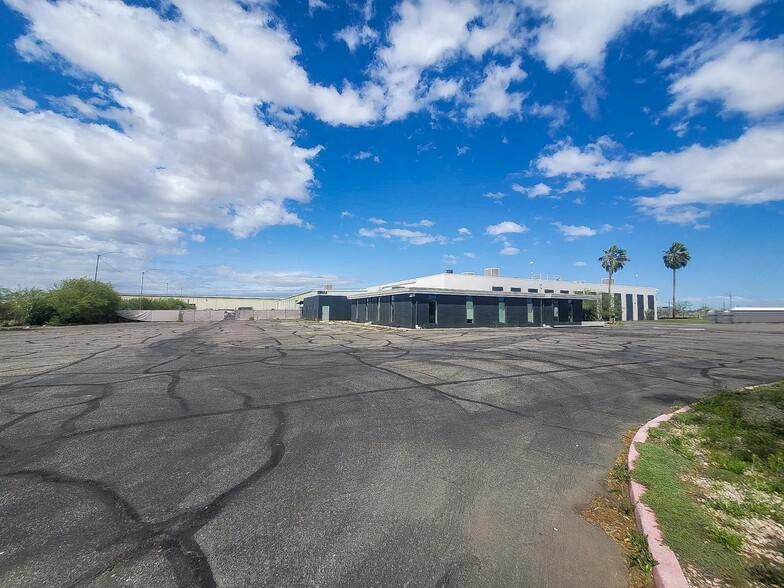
(667, 573)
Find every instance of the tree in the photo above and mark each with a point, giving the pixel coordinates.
(81, 300)
(675, 258)
(613, 261)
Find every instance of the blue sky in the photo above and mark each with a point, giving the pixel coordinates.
(268, 147)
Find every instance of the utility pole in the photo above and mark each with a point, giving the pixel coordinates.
(167, 289)
(730, 299)
(97, 259)
(141, 292)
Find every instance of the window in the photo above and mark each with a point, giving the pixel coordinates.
(564, 291)
(378, 310)
(498, 288)
(501, 310)
(534, 290)
(391, 310)
(549, 291)
(516, 289)
(530, 305)
(555, 312)
(469, 309)
(432, 310)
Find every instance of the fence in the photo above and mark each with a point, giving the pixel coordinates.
(204, 316)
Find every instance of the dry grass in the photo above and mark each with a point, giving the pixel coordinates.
(613, 513)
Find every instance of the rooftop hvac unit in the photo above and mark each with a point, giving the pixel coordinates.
(328, 286)
(492, 272)
(449, 271)
(467, 274)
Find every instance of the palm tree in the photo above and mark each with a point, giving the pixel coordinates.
(613, 261)
(675, 258)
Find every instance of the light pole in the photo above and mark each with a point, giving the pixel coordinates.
(97, 259)
(531, 263)
(141, 292)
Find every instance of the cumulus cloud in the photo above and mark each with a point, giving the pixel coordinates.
(509, 249)
(747, 171)
(464, 231)
(573, 186)
(470, 255)
(354, 36)
(406, 235)
(580, 264)
(462, 150)
(366, 155)
(505, 227)
(567, 159)
(450, 259)
(747, 77)
(494, 195)
(422, 223)
(573, 232)
(539, 189)
(185, 131)
(346, 214)
(492, 95)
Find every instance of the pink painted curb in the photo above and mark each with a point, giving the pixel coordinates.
(667, 573)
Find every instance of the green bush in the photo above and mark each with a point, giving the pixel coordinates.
(25, 306)
(155, 304)
(81, 300)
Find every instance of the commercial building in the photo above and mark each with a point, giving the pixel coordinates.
(469, 300)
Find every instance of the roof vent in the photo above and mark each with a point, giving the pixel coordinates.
(449, 271)
(467, 274)
(492, 272)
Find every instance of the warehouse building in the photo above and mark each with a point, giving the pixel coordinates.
(488, 300)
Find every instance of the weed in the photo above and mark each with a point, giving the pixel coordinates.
(640, 555)
(620, 473)
(729, 539)
(768, 573)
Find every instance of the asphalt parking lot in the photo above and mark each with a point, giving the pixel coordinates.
(295, 454)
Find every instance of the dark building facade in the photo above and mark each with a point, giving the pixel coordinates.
(440, 310)
(326, 307)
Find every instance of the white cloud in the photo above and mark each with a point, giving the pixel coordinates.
(505, 227)
(192, 140)
(462, 150)
(509, 249)
(747, 77)
(576, 34)
(316, 4)
(406, 235)
(572, 232)
(346, 214)
(470, 255)
(17, 99)
(539, 189)
(747, 171)
(573, 186)
(377, 221)
(580, 264)
(492, 95)
(422, 223)
(366, 155)
(423, 35)
(450, 259)
(494, 195)
(354, 36)
(198, 238)
(566, 159)
(464, 231)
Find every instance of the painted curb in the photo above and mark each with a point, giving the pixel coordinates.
(667, 573)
